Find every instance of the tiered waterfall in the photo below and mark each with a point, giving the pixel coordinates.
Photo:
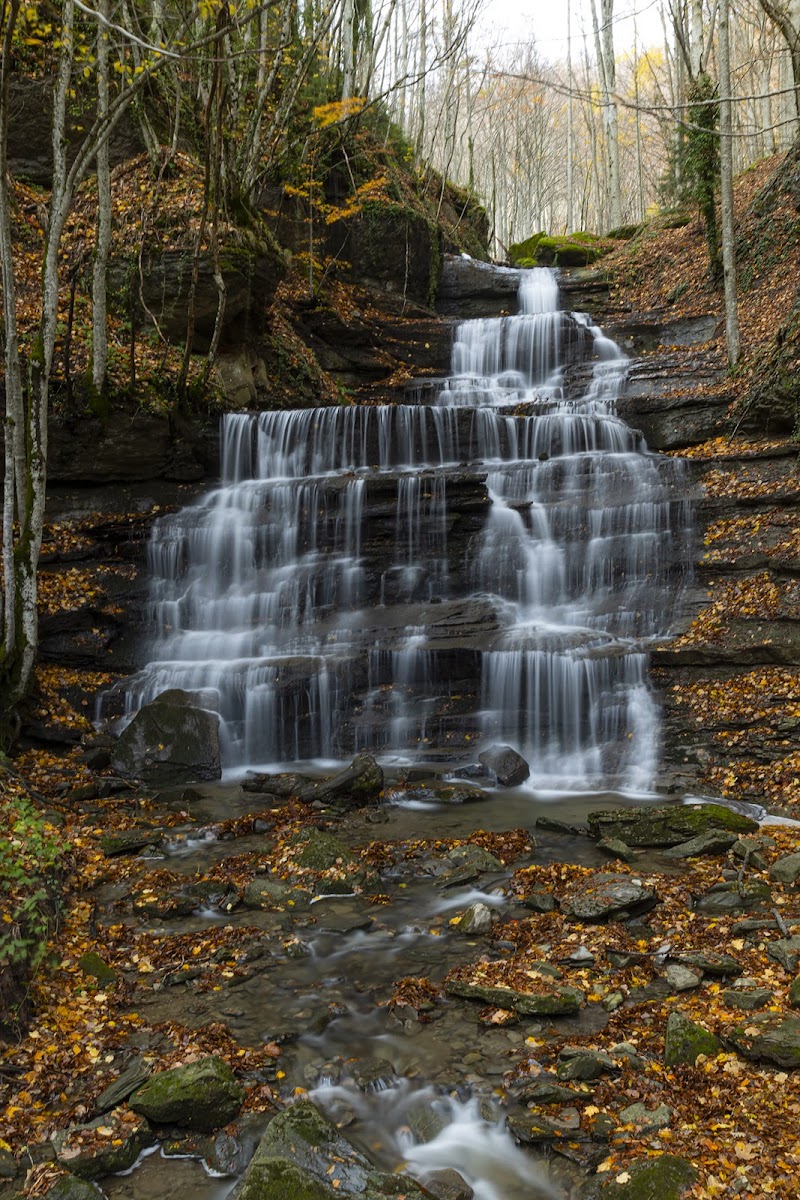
(485, 563)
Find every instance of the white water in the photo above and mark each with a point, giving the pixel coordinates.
(299, 597)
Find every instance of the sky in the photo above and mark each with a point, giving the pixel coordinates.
(512, 21)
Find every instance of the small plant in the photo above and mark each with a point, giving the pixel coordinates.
(30, 855)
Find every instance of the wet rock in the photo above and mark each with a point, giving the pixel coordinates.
(508, 767)
(163, 903)
(730, 899)
(617, 849)
(371, 1073)
(713, 841)
(282, 786)
(202, 1096)
(664, 1178)
(134, 1075)
(104, 1146)
(685, 1041)
(668, 826)
(360, 783)
(786, 951)
(555, 1000)
(92, 964)
(711, 963)
(128, 841)
(769, 1037)
(475, 857)
(478, 918)
(533, 1130)
(540, 901)
(303, 1156)
(786, 870)
(604, 897)
(746, 999)
(170, 741)
(645, 1119)
(457, 878)
(446, 793)
(554, 826)
(265, 893)
(320, 851)
(681, 978)
(70, 1187)
(545, 1090)
(473, 771)
(447, 1185)
(583, 1064)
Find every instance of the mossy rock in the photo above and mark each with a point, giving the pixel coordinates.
(274, 893)
(685, 1041)
(525, 254)
(771, 1038)
(664, 1178)
(320, 851)
(92, 964)
(667, 826)
(545, 1002)
(70, 1187)
(202, 1096)
(280, 1179)
(80, 1150)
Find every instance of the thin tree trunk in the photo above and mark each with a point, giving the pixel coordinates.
(726, 187)
(103, 242)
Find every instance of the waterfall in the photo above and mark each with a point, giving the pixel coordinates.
(487, 562)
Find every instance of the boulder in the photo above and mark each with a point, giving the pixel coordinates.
(360, 783)
(711, 962)
(644, 1119)
(769, 1037)
(303, 1156)
(665, 1177)
(203, 1096)
(786, 870)
(786, 951)
(108, 1144)
(168, 742)
(70, 1187)
(319, 850)
(128, 841)
(617, 849)
(475, 857)
(548, 1000)
(747, 999)
(713, 841)
(478, 918)
(794, 992)
(508, 767)
(667, 826)
(731, 899)
(685, 1041)
(607, 896)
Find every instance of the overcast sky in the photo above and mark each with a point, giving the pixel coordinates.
(512, 21)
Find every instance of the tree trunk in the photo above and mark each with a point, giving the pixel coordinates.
(726, 187)
(103, 242)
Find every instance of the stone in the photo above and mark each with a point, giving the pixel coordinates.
(90, 1155)
(667, 826)
(203, 1096)
(794, 992)
(711, 962)
(478, 918)
(617, 849)
(546, 1001)
(8, 1164)
(666, 1177)
(170, 741)
(92, 964)
(712, 841)
(540, 901)
(629, 1054)
(606, 896)
(685, 1041)
(508, 767)
(533, 1130)
(769, 1037)
(265, 893)
(70, 1187)
(134, 1075)
(303, 1156)
(786, 951)
(682, 978)
(447, 1185)
(545, 1090)
(320, 851)
(360, 783)
(733, 898)
(747, 999)
(786, 870)
(645, 1119)
(128, 841)
(475, 857)
(750, 849)
(584, 1067)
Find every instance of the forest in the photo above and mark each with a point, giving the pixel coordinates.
(399, 653)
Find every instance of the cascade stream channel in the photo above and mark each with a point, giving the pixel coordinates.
(488, 562)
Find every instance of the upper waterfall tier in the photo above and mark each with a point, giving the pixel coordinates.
(485, 562)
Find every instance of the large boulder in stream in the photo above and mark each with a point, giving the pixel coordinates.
(508, 767)
(170, 741)
(668, 826)
(202, 1095)
(303, 1156)
(360, 783)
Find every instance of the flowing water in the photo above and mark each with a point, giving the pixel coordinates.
(485, 564)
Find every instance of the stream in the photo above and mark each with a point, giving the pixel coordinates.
(487, 564)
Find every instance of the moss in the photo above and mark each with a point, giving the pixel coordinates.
(321, 850)
(280, 1179)
(665, 1178)
(686, 1041)
(203, 1096)
(527, 251)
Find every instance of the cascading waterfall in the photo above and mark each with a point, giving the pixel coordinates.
(486, 563)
